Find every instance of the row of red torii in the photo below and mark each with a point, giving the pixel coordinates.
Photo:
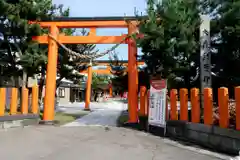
(92, 23)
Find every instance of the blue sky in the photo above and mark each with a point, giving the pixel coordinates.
(100, 8)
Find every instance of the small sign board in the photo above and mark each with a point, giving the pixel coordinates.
(157, 103)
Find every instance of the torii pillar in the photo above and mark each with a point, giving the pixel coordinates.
(110, 90)
(49, 98)
(88, 88)
(132, 77)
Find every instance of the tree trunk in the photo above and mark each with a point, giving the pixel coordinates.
(24, 79)
(13, 81)
(41, 84)
(22, 86)
(58, 83)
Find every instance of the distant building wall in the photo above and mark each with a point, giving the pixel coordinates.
(63, 95)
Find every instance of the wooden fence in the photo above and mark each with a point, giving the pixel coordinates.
(208, 114)
(25, 100)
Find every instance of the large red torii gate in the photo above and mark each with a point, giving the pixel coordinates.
(92, 23)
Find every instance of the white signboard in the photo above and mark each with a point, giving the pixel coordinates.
(157, 103)
(205, 55)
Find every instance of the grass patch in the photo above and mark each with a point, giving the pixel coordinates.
(142, 125)
(122, 100)
(122, 119)
(64, 118)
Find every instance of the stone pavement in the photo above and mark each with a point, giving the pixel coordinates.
(94, 106)
(99, 117)
(91, 143)
(104, 114)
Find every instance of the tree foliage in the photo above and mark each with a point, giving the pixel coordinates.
(225, 33)
(19, 54)
(20, 57)
(170, 44)
(171, 41)
(18, 51)
(100, 82)
(120, 75)
(17, 47)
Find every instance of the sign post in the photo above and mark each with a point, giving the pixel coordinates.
(157, 105)
(205, 55)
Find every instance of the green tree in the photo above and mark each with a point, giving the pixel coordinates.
(98, 80)
(225, 35)
(99, 83)
(118, 70)
(170, 44)
(20, 55)
(16, 36)
(120, 75)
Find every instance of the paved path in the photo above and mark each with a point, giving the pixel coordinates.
(94, 141)
(91, 143)
(105, 114)
(94, 106)
(100, 117)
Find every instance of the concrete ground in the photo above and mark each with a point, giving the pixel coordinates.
(99, 117)
(94, 106)
(92, 143)
(86, 141)
(104, 114)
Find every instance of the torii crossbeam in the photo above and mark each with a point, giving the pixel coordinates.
(106, 64)
(92, 23)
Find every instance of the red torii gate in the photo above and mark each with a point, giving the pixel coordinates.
(105, 71)
(106, 63)
(92, 23)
